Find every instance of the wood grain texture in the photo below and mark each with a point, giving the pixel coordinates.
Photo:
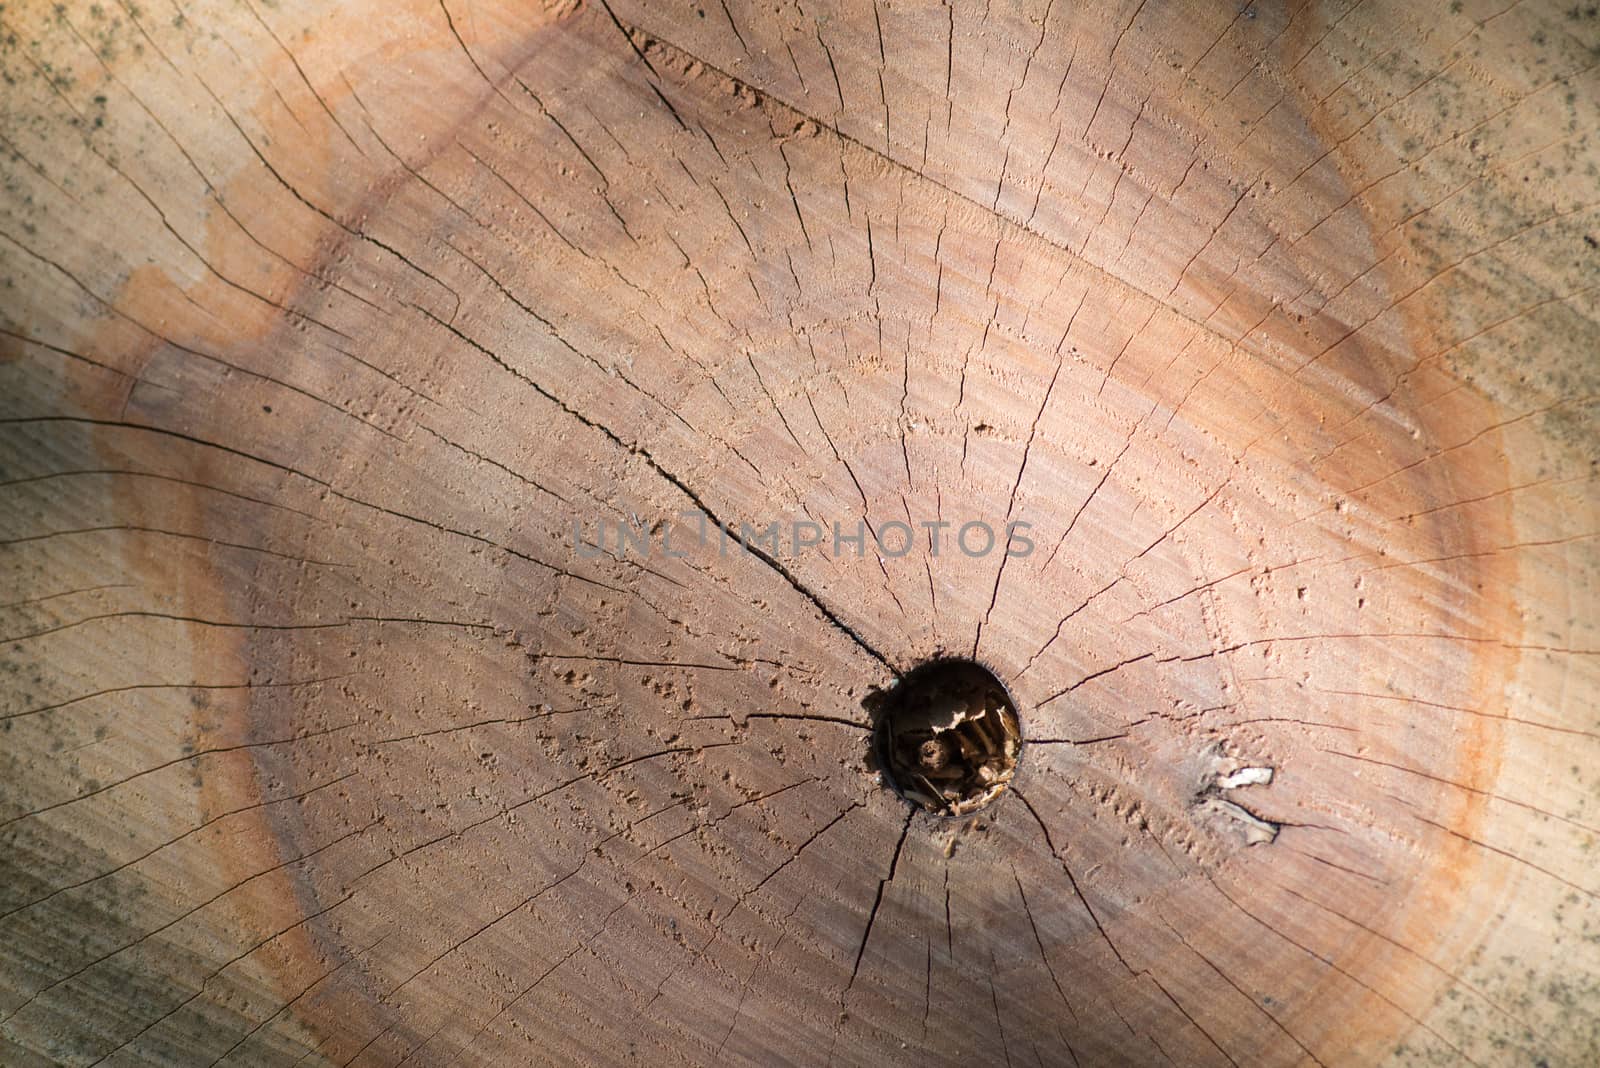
(322, 325)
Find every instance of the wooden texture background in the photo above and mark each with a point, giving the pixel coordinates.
(322, 324)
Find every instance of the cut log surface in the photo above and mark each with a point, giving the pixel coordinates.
(332, 333)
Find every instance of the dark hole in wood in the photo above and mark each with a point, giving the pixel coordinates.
(947, 736)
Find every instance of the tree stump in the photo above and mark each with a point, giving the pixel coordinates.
(336, 336)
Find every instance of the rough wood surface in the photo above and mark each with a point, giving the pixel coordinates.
(322, 325)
